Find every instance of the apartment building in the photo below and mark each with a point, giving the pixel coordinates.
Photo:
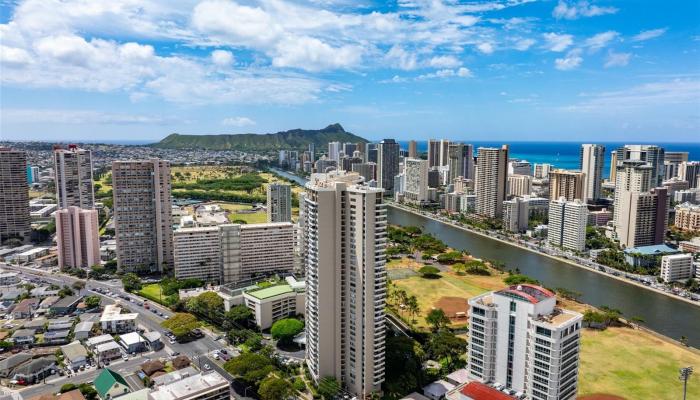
(205, 386)
(542, 170)
(143, 219)
(433, 153)
(591, 163)
(687, 217)
(77, 237)
(567, 224)
(460, 161)
(677, 267)
(73, 177)
(113, 321)
(197, 254)
(416, 180)
(689, 171)
(344, 234)
(642, 219)
(491, 181)
(567, 184)
(519, 167)
(519, 185)
(366, 170)
(515, 214)
(14, 196)
(387, 164)
(520, 339)
(276, 302)
(650, 155)
(279, 202)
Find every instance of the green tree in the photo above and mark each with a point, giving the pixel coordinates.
(274, 388)
(132, 282)
(251, 368)
(284, 330)
(328, 387)
(429, 272)
(404, 372)
(413, 308)
(437, 319)
(65, 291)
(517, 279)
(78, 286)
(93, 301)
(181, 324)
(237, 316)
(208, 305)
(445, 345)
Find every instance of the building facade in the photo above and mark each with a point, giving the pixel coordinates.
(77, 238)
(643, 218)
(387, 164)
(491, 181)
(687, 217)
(14, 196)
(345, 240)
(567, 224)
(143, 219)
(460, 161)
(279, 202)
(73, 177)
(567, 184)
(197, 254)
(591, 164)
(416, 180)
(515, 214)
(519, 185)
(677, 267)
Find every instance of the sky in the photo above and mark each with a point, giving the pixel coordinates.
(560, 70)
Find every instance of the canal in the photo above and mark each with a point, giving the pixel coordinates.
(668, 316)
(663, 314)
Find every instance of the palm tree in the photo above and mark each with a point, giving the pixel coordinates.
(403, 299)
(413, 308)
(78, 286)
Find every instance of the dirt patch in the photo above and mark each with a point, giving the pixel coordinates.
(598, 396)
(454, 307)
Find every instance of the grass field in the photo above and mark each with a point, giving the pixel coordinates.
(151, 292)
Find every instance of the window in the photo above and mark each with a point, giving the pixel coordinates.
(544, 331)
(513, 306)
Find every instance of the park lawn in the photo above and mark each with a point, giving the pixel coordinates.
(254, 218)
(151, 292)
(635, 365)
(404, 262)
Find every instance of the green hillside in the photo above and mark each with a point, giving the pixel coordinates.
(293, 139)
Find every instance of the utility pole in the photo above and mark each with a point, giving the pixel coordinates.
(683, 376)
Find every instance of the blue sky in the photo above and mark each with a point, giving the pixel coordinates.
(470, 70)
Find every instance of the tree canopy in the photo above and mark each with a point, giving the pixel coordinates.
(429, 272)
(437, 319)
(181, 324)
(284, 330)
(328, 387)
(274, 388)
(249, 367)
(131, 282)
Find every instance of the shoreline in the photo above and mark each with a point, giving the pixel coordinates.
(618, 278)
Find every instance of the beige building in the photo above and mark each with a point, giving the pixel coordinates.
(344, 233)
(515, 214)
(279, 202)
(677, 267)
(276, 302)
(416, 178)
(73, 177)
(142, 215)
(491, 181)
(205, 386)
(77, 238)
(567, 184)
(567, 224)
(460, 161)
(14, 196)
(519, 185)
(256, 251)
(412, 149)
(643, 217)
(197, 253)
(687, 217)
(591, 161)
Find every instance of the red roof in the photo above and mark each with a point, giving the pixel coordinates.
(479, 391)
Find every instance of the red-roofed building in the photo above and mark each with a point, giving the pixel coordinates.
(479, 391)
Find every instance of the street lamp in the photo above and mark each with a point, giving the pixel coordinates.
(683, 376)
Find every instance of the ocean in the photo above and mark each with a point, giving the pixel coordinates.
(563, 154)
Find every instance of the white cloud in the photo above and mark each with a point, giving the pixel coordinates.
(574, 10)
(572, 60)
(486, 47)
(600, 40)
(647, 35)
(222, 58)
(462, 72)
(237, 121)
(312, 54)
(79, 117)
(617, 59)
(558, 42)
(402, 59)
(444, 62)
(524, 44)
(14, 57)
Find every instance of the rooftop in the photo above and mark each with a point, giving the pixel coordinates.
(652, 250)
(131, 338)
(271, 291)
(479, 391)
(559, 317)
(532, 293)
(189, 386)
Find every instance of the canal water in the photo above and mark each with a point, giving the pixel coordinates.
(663, 314)
(668, 316)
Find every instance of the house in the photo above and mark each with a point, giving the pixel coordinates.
(6, 307)
(65, 306)
(151, 367)
(38, 324)
(27, 370)
(437, 389)
(9, 363)
(93, 342)
(74, 394)
(43, 292)
(10, 293)
(479, 391)
(458, 377)
(154, 340)
(56, 337)
(25, 309)
(75, 355)
(60, 324)
(113, 321)
(23, 336)
(110, 384)
(48, 302)
(108, 351)
(132, 342)
(82, 330)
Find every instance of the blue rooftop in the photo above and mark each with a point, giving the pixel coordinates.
(652, 250)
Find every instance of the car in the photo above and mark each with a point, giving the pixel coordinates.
(166, 316)
(216, 356)
(223, 351)
(125, 357)
(207, 367)
(172, 341)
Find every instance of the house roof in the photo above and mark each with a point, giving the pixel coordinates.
(35, 365)
(74, 351)
(57, 334)
(67, 301)
(131, 338)
(438, 388)
(150, 367)
(106, 380)
(83, 327)
(74, 394)
(13, 361)
(652, 250)
(479, 391)
(35, 323)
(23, 333)
(414, 396)
(93, 341)
(271, 291)
(459, 376)
(111, 345)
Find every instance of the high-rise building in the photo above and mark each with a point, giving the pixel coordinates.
(312, 152)
(256, 251)
(515, 214)
(591, 163)
(672, 160)
(366, 170)
(519, 167)
(677, 267)
(631, 176)
(349, 149)
(279, 202)
(687, 217)
(567, 184)
(344, 234)
(444, 152)
(613, 166)
(14, 196)
(387, 164)
(491, 181)
(372, 153)
(519, 185)
(642, 218)
(73, 177)
(77, 238)
(460, 161)
(652, 155)
(690, 172)
(334, 149)
(412, 149)
(567, 224)
(197, 254)
(433, 153)
(143, 221)
(416, 180)
(542, 171)
(518, 337)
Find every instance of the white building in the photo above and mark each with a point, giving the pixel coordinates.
(276, 302)
(542, 171)
(197, 253)
(206, 386)
(415, 189)
(519, 185)
(676, 267)
(73, 178)
(279, 202)
(515, 215)
(567, 224)
(591, 162)
(519, 167)
(520, 339)
(113, 321)
(345, 241)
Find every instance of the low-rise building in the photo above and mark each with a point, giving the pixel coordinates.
(687, 217)
(93, 342)
(113, 321)
(75, 355)
(65, 306)
(677, 267)
(153, 339)
(110, 384)
(82, 330)
(38, 325)
(648, 256)
(275, 302)
(9, 278)
(206, 386)
(27, 370)
(56, 337)
(25, 309)
(23, 336)
(132, 342)
(690, 246)
(600, 217)
(107, 351)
